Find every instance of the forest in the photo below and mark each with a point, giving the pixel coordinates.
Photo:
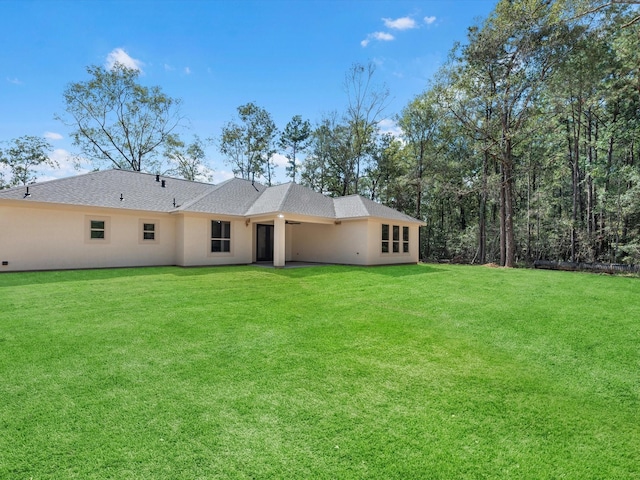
(525, 146)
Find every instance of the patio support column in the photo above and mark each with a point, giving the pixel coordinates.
(279, 241)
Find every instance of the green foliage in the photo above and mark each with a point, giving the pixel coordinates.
(529, 138)
(295, 139)
(188, 161)
(343, 151)
(22, 157)
(119, 122)
(249, 146)
(423, 371)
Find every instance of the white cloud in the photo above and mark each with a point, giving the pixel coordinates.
(187, 70)
(168, 67)
(221, 176)
(402, 23)
(280, 160)
(52, 136)
(381, 36)
(69, 166)
(429, 20)
(387, 125)
(14, 80)
(118, 55)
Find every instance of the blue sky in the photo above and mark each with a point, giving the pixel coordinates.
(289, 57)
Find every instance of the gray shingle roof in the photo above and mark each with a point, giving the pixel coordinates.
(141, 191)
(293, 198)
(233, 197)
(356, 206)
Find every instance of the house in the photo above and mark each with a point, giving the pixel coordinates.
(119, 218)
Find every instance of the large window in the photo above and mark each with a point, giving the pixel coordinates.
(396, 239)
(405, 239)
(385, 238)
(220, 236)
(392, 241)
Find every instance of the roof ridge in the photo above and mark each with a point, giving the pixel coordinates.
(283, 201)
(188, 203)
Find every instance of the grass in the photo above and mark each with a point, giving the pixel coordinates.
(423, 371)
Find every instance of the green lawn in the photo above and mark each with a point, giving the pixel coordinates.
(423, 371)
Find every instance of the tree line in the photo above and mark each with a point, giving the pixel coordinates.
(523, 147)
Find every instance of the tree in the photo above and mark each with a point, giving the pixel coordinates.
(366, 103)
(188, 160)
(23, 156)
(295, 138)
(249, 146)
(118, 121)
(316, 164)
(590, 7)
(506, 64)
(385, 172)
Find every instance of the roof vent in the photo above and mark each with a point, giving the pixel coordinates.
(164, 183)
(157, 178)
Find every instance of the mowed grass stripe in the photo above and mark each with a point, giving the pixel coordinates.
(424, 371)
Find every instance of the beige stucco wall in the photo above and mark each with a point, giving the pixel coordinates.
(375, 255)
(345, 243)
(356, 242)
(40, 237)
(194, 242)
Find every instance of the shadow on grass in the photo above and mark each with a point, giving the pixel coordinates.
(385, 270)
(10, 279)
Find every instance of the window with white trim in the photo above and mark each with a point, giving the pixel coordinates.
(405, 239)
(385, 238)
(393, 241)
(220, 236)
(149, 231)
(396, 239)
(97, 230)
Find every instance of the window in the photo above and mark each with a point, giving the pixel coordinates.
(385, 238)
(97, 229)
(148, 231)
(405, 239)
(220, 236)
(396, 239)
(391, 240)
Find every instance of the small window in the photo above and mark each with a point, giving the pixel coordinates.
(220, 236)
(148, 231)
(385, 238)
(97, 229)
